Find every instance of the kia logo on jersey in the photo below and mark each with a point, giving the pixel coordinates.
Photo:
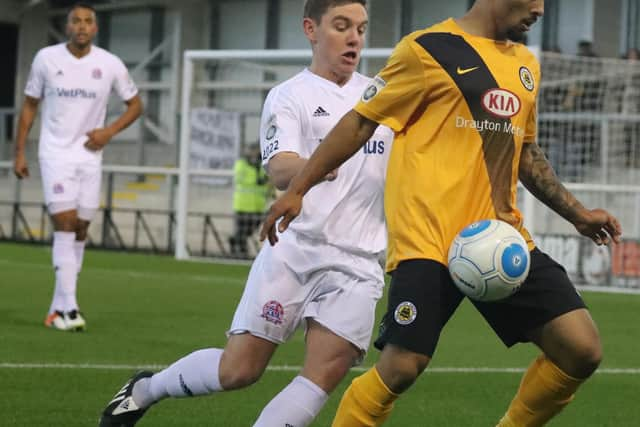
(501, 103)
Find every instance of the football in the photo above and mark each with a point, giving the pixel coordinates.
(488, 260)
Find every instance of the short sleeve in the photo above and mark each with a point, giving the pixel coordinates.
(531, 126)
(397, 91)
(123, 83)
(280, 127)
(37, 77)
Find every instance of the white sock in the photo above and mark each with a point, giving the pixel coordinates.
(56, 302)
(64, 262)
(296, 405)
(78, 248)
(193, 375)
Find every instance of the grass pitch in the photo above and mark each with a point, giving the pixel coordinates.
(147, 310)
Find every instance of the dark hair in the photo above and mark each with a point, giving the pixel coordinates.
(82, 5)
(315, 9)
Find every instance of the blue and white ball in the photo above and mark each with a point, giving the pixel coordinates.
(489, 260)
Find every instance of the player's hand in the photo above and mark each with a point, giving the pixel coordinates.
(331, 175)
(600, 226)
(286, 207)
(20, 167)
(98, 138)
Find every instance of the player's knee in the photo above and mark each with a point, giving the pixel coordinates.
(328, 374)
(399, 370)
(64, 222)
(587, 358)
(239, 374)
(81, 230)
(81, 235)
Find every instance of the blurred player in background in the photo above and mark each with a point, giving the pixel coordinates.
(461, 97)
(325, 274)
(251, 191)
(73, 80)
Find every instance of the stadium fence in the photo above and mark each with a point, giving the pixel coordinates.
(588, 125)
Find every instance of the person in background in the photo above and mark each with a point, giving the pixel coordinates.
(250, 196)
(73, 81)
(585, 48)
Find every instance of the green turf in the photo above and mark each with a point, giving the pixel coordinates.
(145, 309)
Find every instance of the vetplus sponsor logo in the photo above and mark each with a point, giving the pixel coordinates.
(75, 93)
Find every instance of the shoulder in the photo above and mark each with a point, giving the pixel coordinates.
(439, 28)
(528, 58)
(289, 91)
(294, 83)
(410, 45)
(104, 55)
(360, 80)
(526, 54)
(50, 51)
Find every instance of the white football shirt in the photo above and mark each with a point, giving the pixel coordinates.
(349, 211)
(74, 93)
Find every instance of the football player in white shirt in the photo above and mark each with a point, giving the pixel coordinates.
(73, 82)
(325, 274)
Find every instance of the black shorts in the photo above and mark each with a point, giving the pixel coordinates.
(422, 298)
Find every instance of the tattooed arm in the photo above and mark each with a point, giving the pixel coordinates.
(537, 175)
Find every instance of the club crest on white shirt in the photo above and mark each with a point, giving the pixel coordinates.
(58, 188)
(273, 312)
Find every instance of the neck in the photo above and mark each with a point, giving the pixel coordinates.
(328, 74)
(79, 51)
(478, 21)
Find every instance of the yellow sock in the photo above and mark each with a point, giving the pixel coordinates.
(544, 391)
(366, 403)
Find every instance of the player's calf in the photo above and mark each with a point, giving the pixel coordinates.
(244, 360)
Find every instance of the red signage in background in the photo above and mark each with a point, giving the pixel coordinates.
(589, 264)
(625, 259)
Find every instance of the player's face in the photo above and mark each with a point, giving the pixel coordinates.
(81, 26)
(338, 39)
(515, 17)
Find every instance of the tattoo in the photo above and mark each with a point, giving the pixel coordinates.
(537, 175)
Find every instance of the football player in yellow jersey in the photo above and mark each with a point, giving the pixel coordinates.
(461, 98)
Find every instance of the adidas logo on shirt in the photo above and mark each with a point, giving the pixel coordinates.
(320, 112)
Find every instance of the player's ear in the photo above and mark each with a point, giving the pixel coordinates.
(309, 28)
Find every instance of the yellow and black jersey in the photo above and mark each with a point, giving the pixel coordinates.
(461, 107)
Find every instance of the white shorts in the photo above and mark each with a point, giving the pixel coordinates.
(298, 279)
(71, 186)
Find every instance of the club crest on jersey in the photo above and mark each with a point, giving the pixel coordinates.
(58, 188)
(526, 78)
(405, 313)
(271, 132)
(372, 90)
(96, 73)
(273, 312)
(501, 103)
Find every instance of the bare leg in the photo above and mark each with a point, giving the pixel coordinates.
(328, 359)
